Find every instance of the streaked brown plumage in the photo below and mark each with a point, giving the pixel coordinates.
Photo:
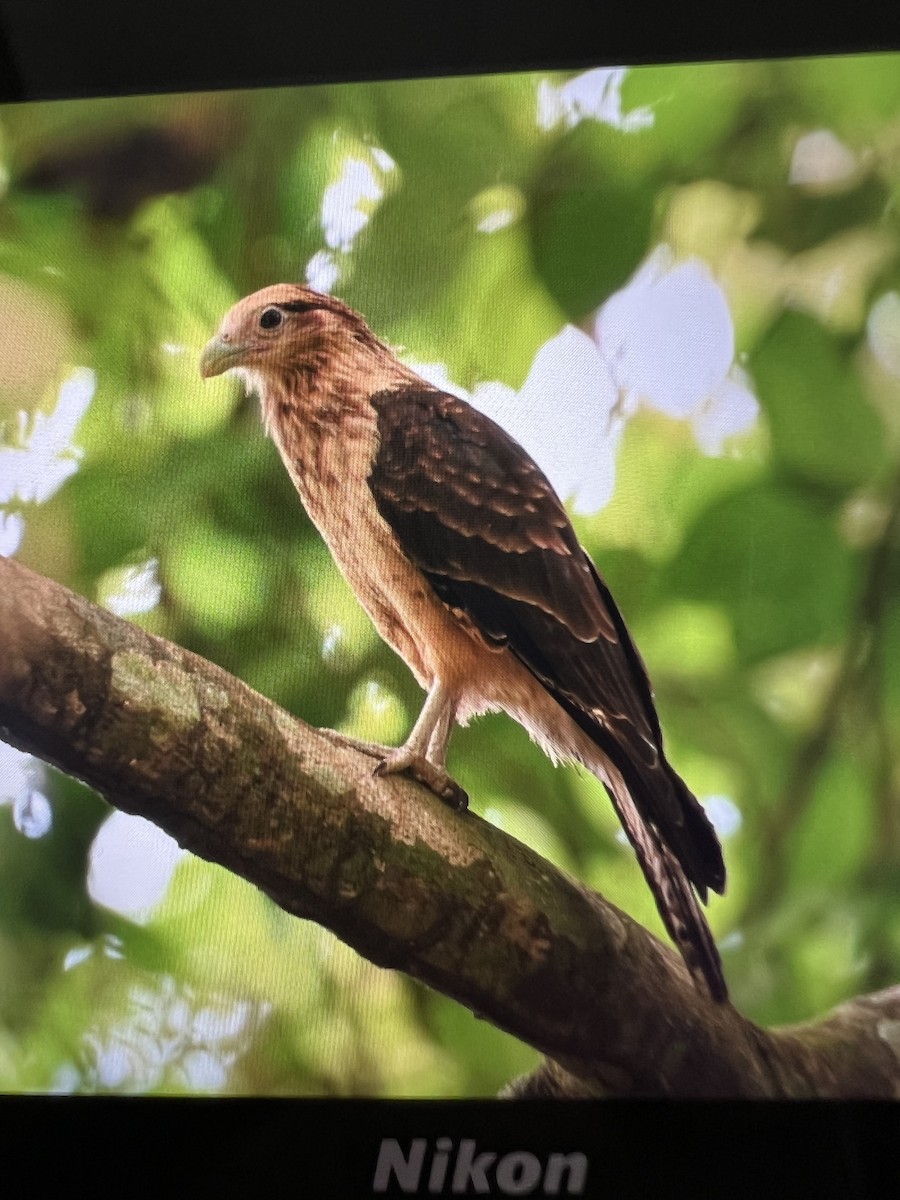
(465, 559)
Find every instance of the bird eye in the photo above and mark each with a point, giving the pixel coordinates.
(271, 318)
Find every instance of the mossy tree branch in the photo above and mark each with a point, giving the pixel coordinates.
(397, 875)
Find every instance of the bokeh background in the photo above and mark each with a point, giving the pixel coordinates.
(679, 287)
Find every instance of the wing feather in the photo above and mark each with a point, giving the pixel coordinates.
(477, 516)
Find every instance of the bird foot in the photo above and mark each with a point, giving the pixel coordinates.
(404, 762)
(346, 742)
(401, 761)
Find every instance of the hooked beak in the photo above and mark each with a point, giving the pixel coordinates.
(219, 356)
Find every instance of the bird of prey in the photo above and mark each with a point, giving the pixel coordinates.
(464, 557)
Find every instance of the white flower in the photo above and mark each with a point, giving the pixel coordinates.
(322, 272)
(731, 409)
(668, 338)
(131, 864)
(820, 159)
(139, 590)
(32, 814)
(565, 416)
(12, 530)
(20, 774)
(347, 203)
(594, 95)
(39, 467)
(883, 331)
(666, 341)
(724, 814)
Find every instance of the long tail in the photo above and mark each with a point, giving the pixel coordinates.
(675, 897)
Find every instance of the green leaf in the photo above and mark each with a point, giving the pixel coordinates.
(832, 842)
(694, 109)
(853, 94)
(590, 225)
(823, 428)
(888, 666)
(662, 483)
(771, 556)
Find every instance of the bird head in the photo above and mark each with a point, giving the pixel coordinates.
(280, 327)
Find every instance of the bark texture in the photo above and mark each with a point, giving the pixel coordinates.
(397, 875)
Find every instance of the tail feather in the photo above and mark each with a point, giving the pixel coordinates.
(694, 841)
(673, 838)
(674, 895)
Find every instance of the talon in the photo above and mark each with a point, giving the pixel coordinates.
(437, 781)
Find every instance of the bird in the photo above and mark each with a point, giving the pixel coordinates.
(466, 561)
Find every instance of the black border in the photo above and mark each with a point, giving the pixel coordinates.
(324, 1149)
(51, 49)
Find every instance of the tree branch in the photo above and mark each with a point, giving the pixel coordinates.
(397, 875)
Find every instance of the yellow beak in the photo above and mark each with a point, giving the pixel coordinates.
(218, 356)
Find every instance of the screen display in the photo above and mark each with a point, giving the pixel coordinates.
(642, 318)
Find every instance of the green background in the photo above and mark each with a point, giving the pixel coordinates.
(761, 585)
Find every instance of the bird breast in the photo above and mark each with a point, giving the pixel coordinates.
(328, 450)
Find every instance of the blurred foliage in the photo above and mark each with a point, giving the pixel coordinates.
(760, 585)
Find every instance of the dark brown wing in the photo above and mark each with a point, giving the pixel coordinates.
(478, 517)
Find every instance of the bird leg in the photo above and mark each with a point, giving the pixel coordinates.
(424, 753)
(423, 756)
(439, 741)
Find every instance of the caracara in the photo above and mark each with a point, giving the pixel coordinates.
(463, 556)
